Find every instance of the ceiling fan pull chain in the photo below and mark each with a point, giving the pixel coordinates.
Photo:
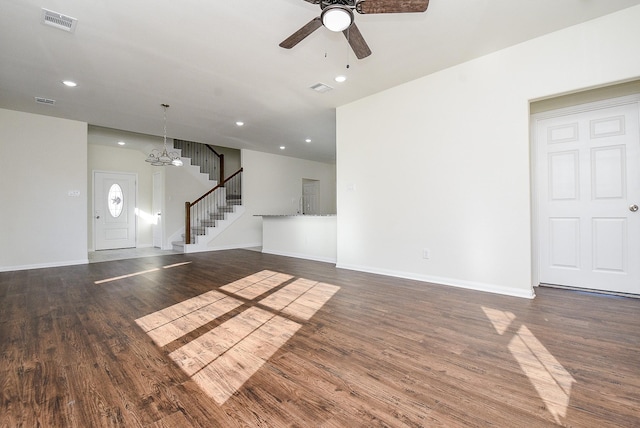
(348, 45)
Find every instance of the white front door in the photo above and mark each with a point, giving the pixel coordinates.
(114, 201)
(588, 185)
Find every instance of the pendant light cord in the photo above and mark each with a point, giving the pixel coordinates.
(165, 126)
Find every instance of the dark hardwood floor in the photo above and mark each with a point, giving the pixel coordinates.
(242, 339)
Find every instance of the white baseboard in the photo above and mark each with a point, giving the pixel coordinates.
(453, 282)
(44, 265)
(301, 256)
(189, 250)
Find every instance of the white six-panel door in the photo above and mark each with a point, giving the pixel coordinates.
(588, 185)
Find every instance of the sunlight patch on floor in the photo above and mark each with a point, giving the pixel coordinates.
(221, 360)
(551, 380)
(175, 265)
(501, 320)
(256, 284)
(173, 322)
(129, 275)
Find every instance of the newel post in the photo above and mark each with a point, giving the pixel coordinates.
(187, 222)
(221, 182)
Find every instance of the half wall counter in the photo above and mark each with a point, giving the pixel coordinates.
(305, 236)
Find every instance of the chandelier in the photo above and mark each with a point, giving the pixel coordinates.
(157, 158)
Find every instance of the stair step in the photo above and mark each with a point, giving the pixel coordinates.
(234, 200)
(178, 246)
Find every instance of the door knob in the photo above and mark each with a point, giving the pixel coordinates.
(97, 216)
(633, 208)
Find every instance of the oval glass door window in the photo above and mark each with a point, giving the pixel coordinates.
(115, 200)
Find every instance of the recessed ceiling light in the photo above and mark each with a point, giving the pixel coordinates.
(121, 143)
(239, 123)
(282, 147)
(340, 78)
(308, 140)
(70, 83)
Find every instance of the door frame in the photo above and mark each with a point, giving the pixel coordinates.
(535, 168)
(93, 202)
(316, 185)
(157, 184)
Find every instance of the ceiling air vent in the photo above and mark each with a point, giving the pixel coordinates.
(59, 20)
(46, 101)
(321, 87)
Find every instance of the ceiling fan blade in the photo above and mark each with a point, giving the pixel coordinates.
(392, 6)
(299, 35)
(355, 39)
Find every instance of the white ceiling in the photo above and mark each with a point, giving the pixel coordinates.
(216, 62)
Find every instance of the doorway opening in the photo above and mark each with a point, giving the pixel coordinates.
(585, 185)
(310, 200)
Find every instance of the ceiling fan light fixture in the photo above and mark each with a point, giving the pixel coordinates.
(336, 17)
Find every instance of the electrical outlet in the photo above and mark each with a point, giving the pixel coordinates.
(426, 254)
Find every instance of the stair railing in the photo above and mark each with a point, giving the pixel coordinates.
(212, 206)
(203, 155)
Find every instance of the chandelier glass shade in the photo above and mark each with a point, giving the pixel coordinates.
(336, 17)
(164, 157)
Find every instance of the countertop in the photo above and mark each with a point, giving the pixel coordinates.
(294, 215)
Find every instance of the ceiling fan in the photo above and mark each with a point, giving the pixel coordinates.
(337, 15)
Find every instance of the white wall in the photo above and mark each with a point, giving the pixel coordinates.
(40, 224)
(232, 159)
(272, 184)
(461, 137)
(119, 159)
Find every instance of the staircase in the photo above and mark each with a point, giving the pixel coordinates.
(203, 155)
(211, 214)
